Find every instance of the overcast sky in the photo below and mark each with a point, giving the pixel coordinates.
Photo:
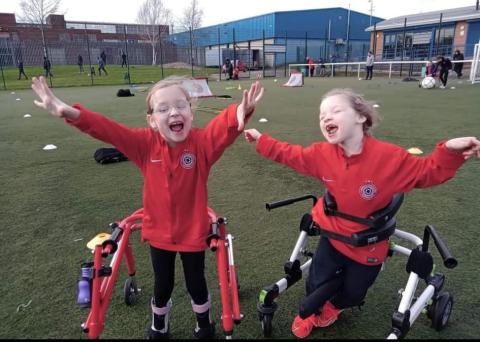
(217, 11)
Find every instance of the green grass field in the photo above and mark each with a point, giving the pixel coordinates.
(69, 75)
(54, 202)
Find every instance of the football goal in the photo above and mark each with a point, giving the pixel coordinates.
(475, 69)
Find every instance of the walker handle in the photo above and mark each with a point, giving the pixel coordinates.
(274, 205)
(448, 260)
(110, 245)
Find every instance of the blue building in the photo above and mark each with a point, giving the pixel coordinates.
(425, 35)
(275, 38)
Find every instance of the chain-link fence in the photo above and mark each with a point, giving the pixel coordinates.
(76, 57)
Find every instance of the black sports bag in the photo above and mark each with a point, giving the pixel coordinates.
(107, 155)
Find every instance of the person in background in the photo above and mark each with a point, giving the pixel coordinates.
(322, 67)
(80, 63)
(430, 69)
(236, 73)
(21, 71)
(229, 69)
(311, 66)
(103, 56)
(369, 65)
(124, 59)
(101, 66)
(444, 65)
(458, 66)
(47, 66)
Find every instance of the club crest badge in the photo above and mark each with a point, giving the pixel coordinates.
(368, 191)
(187, 160)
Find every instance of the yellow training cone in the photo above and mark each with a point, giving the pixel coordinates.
(414, 150)
(97, 240)
(239, 87)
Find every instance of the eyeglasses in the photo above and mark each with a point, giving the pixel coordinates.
(165, 109)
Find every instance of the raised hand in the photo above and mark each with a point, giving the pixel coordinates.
(249, 100)
(468, 146)
(50, 102)
(252, 135)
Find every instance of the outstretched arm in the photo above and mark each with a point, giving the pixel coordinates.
(50, 102)
(222, 131)
(247, 106)
(308, 161)
(252, 135)
(129, 141)
(468, 146)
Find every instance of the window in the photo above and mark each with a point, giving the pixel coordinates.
(389, 46)
(444, 40)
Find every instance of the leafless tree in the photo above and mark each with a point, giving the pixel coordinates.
(153, 13)
(192, 16)
(192, 20)
(37, 11)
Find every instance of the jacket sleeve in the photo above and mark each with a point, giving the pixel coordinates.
(132, 142)
(221, 132)
(304, 160)
(424, 172)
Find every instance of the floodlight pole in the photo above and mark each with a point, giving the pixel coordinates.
(191, 47)
(219, 56)
(88, 49)
(126, 51)
(348, 39)
(371, 11)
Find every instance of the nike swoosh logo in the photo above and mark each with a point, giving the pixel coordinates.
(327, 180)
(156, 160)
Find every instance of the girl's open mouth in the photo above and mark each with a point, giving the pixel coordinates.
(176, 127)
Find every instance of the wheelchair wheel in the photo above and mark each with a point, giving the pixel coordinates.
(267, 325)
(130, 292)
(441, 311)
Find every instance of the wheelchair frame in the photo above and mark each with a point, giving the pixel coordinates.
(103, 278)
(438, 304)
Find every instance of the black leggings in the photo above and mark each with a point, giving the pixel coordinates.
(444, 76)
(163, 263)
(357, 278)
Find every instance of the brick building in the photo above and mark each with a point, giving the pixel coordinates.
(65, 40)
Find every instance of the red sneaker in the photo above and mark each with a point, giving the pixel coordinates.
(303, 327)
(328, 315)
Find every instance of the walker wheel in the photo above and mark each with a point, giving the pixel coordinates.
(130, 292)
(441, 311)
(267, 325)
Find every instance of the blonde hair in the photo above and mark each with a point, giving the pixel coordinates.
(169, 82)
(360, 105)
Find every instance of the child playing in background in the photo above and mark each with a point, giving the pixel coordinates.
(175, 160)
(362, 174)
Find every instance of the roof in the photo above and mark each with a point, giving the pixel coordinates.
(448, 15)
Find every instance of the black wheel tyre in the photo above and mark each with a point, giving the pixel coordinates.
(130, 292)
(442, 309)
(267, 325)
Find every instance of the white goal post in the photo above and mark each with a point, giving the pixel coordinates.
(475, 69)
(388, 69)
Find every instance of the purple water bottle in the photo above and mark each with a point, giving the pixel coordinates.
(84, 283)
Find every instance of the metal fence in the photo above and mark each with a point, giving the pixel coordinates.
(129, 61)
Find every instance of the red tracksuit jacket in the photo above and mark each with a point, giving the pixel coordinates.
(175, 179)
(363, 183)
